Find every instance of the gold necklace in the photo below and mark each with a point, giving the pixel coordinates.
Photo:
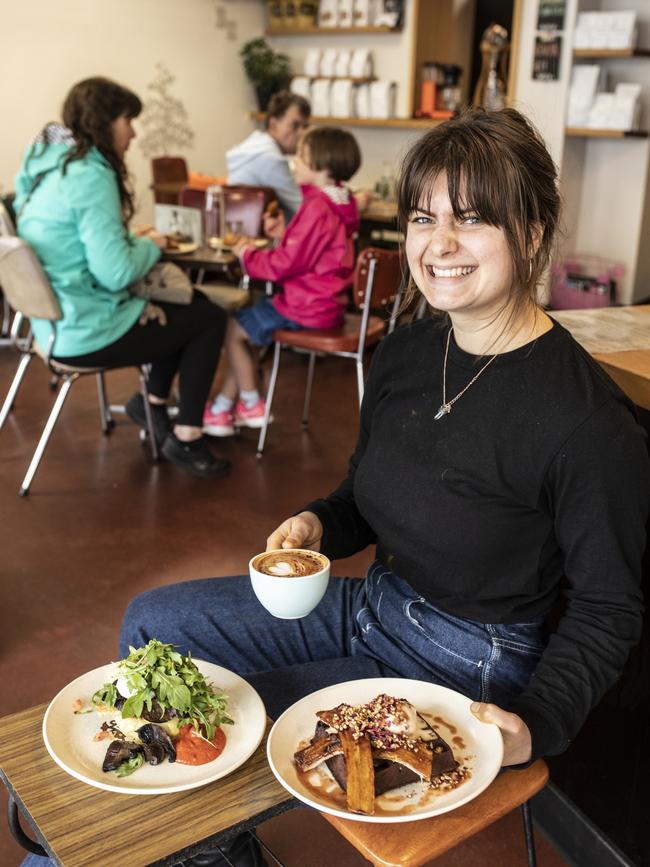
(446, 405)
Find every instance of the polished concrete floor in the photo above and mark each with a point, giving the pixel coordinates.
(102, 524)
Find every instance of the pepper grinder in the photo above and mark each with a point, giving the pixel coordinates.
(490, 89)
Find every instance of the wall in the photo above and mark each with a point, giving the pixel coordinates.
(47, 45)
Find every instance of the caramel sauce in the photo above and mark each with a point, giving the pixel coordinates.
(413, 797)
(442, 722)
(459, 743)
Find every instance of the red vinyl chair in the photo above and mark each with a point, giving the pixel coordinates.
(377, 286)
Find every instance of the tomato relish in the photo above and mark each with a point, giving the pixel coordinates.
(194, 749)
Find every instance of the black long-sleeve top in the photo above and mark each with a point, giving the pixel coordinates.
(540, 471)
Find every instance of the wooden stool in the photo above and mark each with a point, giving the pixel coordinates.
(410, 844)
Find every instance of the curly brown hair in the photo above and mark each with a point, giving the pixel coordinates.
(89, 109)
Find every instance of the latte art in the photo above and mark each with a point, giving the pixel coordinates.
(290, 564)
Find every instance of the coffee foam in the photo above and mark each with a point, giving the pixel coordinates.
(290, 564)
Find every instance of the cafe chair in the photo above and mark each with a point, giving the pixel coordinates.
(7, 230)
(169, 176)
(411, 844)
(30, 294)
(377, 286)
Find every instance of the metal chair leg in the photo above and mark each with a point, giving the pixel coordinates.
(527, 814)
(269, 399)
(360, 382)
(144, 375)
(104, 407)
(47, 430)
(23, 364)
(310, 380)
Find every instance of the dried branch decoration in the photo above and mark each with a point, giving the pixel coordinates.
(164, 118)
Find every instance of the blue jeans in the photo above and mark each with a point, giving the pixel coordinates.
(379, 627)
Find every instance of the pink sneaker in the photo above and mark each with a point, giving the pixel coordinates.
(218, 424)
(253, 417)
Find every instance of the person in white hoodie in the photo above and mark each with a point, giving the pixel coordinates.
(261, 159)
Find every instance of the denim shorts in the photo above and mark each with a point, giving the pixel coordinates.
(261, 320)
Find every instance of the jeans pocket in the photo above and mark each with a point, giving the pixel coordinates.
(526, 638)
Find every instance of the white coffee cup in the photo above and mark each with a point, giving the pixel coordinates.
(285, 593)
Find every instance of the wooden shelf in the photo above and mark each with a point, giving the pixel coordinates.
(587, 132)
(611, 52)
(394, 122)
(365, 80)
(325, 31)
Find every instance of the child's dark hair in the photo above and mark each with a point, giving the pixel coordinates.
(334, 150)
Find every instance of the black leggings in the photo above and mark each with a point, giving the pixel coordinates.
(189, 344)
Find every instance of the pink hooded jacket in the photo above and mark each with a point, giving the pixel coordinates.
(313, 263)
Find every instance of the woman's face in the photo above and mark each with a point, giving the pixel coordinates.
(461, 266)
(122, 131)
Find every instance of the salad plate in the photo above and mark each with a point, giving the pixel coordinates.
(69, 736)
(477, 746)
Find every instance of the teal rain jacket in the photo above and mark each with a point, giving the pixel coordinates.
(73, 221)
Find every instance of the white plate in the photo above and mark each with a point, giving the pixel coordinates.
(183, 247)
(482, 753)
(69, 737)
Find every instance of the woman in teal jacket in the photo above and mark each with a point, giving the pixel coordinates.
(74, 204)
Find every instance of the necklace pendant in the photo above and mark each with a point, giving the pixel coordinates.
(445, 409)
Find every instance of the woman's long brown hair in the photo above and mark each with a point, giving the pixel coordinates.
(88, 112)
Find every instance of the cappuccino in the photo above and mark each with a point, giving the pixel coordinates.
(289, 583)
(290, 564)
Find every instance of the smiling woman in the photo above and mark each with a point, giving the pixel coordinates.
(484, 473)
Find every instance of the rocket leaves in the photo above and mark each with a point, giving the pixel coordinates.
(156, 672)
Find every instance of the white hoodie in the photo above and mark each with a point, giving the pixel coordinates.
(258, 161)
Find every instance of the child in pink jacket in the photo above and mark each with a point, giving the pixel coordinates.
(313, 264)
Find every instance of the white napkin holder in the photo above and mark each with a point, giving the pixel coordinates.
(361, 63)
(328, 13)
(301, 85)
(345, 13)
(342, 68)
(382, 99)
(362, 100)
(342, 98)
(320, 97)
(327, 68)
(311, 66)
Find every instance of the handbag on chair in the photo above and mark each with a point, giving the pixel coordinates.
(164, 282)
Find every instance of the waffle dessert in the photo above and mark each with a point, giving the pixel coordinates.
(373, 748)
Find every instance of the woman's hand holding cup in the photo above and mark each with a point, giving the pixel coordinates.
(300, 531)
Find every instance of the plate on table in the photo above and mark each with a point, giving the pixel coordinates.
(181, 247)
(216, 243)
(69, 736)
(476, 746)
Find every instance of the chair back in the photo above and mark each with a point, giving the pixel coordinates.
(7, 228)
(168, 170)
(24, 282)
(244, 205)
(377, 278)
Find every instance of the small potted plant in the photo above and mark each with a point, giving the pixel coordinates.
(267, 70)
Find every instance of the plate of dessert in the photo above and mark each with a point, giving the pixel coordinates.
(228, 241)
(178, 242)
(384, 750)
(154, 722)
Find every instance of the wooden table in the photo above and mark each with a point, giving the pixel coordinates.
(203, 257)
(78, 824)
(619, 339)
